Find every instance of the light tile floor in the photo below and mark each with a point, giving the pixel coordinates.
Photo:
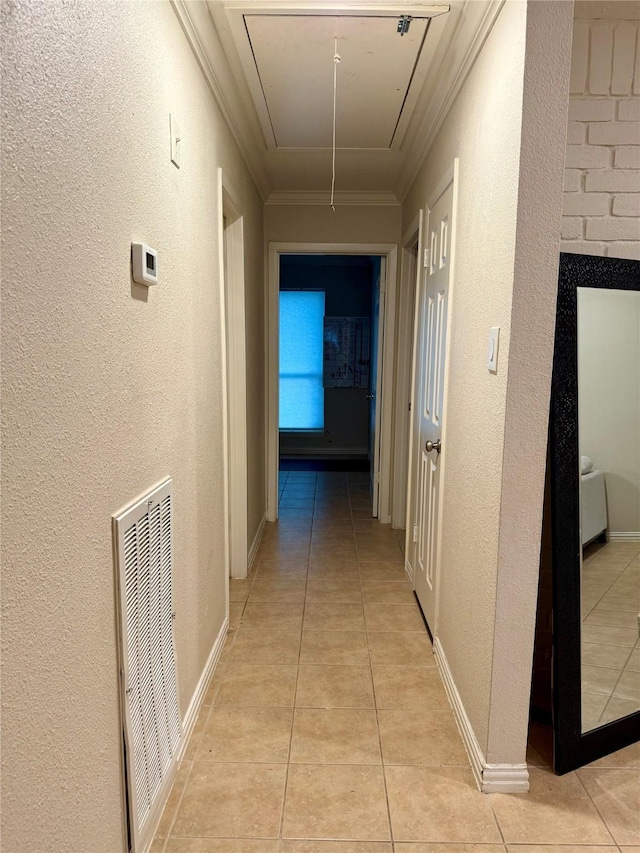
(326, 728)
(610, 643)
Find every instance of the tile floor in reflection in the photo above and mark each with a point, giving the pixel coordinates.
(610, 644)
(326, 728)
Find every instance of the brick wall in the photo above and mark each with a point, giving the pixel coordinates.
(602, 176)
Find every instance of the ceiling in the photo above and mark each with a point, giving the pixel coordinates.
(293, 63)
(390, 89)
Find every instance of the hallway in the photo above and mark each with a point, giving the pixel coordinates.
(326, 718)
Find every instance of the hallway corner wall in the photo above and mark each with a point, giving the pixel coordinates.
(484, 129)
(107, 387)
(531, 345)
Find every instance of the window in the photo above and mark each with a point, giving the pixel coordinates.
(301, 336)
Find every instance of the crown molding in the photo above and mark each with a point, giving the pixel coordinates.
(470, 23)
(361, 198)
(446, 78)
(204, 41)
(327, 7)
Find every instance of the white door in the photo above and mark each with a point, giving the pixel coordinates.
(375, 385)
(432, 350)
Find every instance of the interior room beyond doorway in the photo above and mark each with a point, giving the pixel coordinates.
(327, 320)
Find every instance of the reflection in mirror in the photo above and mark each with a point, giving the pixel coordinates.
(609, 474)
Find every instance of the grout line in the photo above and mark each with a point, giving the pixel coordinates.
(595, 805)
(495, 817)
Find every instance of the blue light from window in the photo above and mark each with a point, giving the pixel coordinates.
(301, 338)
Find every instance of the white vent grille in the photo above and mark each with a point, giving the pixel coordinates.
(152, 726)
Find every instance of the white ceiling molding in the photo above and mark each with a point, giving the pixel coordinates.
(447, 77)
(201, 34)
(321, 198)
(365, 8)
(296, 176)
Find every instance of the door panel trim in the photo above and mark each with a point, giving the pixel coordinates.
(415, 454)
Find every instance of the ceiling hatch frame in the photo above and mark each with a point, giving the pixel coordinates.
(238, 11)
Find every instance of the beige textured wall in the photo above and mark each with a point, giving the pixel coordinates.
(106, 388)
(609, 397)
(546, 95)
(602, 178)
(491, 268)
(300, 223)
(483, 130)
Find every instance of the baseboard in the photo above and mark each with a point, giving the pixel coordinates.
(316, 452)
(476, 756)
(188, 723)
(490, 778)
(408, 568)
(505, 779)
(202, 686)
(633, 536)
(256, 543)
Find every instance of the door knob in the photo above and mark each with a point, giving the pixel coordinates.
(370, 396)
(433, 445)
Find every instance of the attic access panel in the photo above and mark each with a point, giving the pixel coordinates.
(293, 57)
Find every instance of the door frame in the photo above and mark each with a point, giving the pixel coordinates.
(412, 467)
(451, 175)
(234, 378)
(390, 252)
(407, 295)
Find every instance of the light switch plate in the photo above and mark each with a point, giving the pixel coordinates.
(174, 130)
(492, 349)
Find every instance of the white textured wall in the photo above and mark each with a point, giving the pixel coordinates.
(609, 397)
(602, 176)
(107, 387)
(486, 414)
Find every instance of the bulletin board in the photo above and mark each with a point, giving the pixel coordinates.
(346, 352)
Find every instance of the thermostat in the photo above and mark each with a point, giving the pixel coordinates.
(144, 264)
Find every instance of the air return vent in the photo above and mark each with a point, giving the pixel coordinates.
(152, 726)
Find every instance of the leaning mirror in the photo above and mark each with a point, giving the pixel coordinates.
(595, 486)
(609, 450)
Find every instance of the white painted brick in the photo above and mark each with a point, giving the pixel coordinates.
(624, 49)
(572, 180)
(601, 58)
(626, 205)
(587, 157)
(615, 133)
(628, 158)
(580, 247)
(612, 228)
(585, 204)
(629, 250)
(613, 181)
(572, 228)
(576, 133)
(629, 109)
(591, 109)
(579, 57)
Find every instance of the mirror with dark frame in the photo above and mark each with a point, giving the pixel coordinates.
(594, 458)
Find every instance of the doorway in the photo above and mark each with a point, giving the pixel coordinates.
(354, 395)
(231, 236)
